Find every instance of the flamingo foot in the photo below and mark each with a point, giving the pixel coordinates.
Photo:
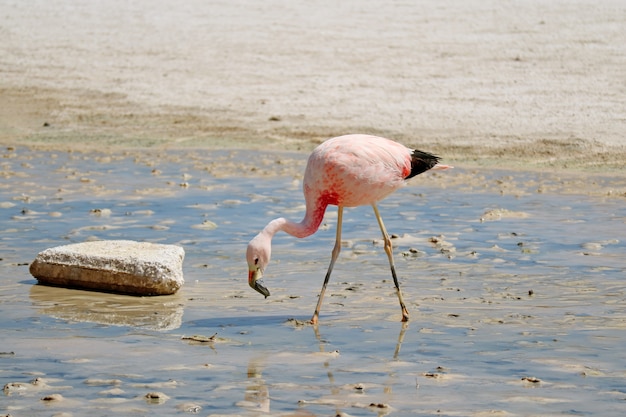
(405, 315)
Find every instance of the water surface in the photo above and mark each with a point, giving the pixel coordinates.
(517, 299)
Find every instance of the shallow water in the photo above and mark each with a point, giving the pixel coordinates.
(517, 300)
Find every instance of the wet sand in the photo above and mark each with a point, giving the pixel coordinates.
(190, 124)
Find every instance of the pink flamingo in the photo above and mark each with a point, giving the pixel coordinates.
(346, 171)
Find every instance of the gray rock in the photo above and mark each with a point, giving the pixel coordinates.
(119, 266)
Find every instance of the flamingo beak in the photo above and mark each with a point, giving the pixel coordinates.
(255, 280)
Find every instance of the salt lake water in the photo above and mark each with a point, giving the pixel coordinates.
(517, 299)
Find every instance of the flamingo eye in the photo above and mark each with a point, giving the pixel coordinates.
(256, 261)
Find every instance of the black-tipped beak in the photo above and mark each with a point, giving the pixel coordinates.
(255, 280)
(258, 285)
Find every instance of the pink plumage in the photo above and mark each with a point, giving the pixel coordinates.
(346, 171)
(356, 170)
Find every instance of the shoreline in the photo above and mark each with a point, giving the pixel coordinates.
(42, 119)
(266, 164)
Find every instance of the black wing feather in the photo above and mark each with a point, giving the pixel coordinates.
(421, 162)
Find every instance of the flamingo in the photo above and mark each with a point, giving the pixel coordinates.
(345, 171)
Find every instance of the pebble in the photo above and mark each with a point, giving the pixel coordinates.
(119, 266)
(52, 398)
(156, 397)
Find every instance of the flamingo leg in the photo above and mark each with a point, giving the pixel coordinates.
(333, 258)
(389, 251)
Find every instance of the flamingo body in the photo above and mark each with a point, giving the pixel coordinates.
(345, 171)
(355, 170)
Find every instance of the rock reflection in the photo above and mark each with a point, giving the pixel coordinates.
(153, 313)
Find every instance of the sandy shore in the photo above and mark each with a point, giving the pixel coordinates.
(525, 85)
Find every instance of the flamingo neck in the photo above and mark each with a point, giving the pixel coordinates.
(306, 227)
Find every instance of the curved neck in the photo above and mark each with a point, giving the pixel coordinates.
(306, 227)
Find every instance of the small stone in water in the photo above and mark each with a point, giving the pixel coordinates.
(52, 397)
(156, 397)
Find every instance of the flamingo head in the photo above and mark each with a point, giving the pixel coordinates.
(258, 257)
